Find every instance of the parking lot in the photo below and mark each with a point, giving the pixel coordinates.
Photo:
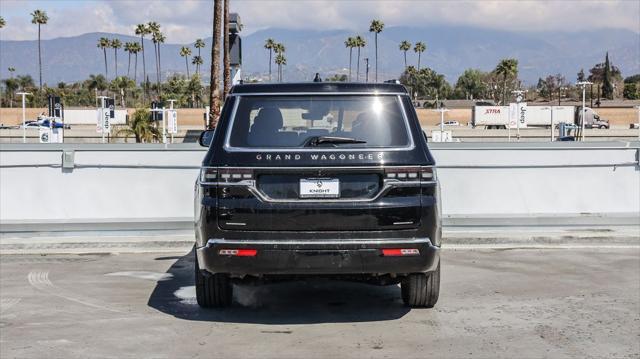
(494, 303)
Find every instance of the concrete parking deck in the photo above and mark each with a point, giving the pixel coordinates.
(494, 303)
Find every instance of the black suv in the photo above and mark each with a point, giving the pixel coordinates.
(317, 179)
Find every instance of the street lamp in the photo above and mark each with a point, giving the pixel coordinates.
(519, 96)
(442, 110)
(24, 115)
(560, 89)
(583, 110)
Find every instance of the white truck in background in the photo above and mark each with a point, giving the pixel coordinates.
(496, 117)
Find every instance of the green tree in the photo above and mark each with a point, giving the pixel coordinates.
(96, 82)
(270, 44)
(580, 76)
(11, 71)
(122, 85)
(281, 60)
(104, 43)
(127, 48)
(197, 62)
(11, 86)
(3, 23)
(39, 17)
(135, 49)
(142, 30)
(471, 84)
(141, 127)
(607, 85)
(508, 69)
(199, 45)
(376, 27)
(419, 49)
(350, 44)
(337, 78)
(115, 45)
(186, 52)
(359, 42)
(404, 47)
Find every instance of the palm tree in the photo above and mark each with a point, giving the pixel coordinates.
(350, 44)
(154, 29)
(11, 71)
(127, 48)
(270, 44)
(186, 52)
(115, 45)
(507, 68)
(404, 47)
(3, 23)
(280, 61)
(199, 45)
(160, 39)
(39, 17)
(141, 127)
(135, 48)
(226, 61)
(376, 27)
(142, 30)
(359, 42)
(103, 43)
(96, 82)
(197, 61)
(419, 49)
(214, 92)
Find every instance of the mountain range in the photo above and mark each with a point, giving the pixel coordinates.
(450, 50)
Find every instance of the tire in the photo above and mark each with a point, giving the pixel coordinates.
(603, 127)
(421, 290)
(213, 290)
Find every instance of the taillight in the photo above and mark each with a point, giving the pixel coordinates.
(428, 174)
(234, 174)
(208, 175)
(403, 173)
(400, 252)
(238, 252)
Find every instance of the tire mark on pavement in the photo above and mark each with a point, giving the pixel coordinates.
(40, 280)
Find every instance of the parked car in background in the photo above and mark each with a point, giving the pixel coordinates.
(45, 123)
(451, 123)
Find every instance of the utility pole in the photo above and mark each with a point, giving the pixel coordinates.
(366, 60)
(583, 110)
(24, 115)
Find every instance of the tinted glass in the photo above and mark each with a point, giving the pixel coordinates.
(293, 121)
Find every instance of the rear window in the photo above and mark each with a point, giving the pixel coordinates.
(357, 121)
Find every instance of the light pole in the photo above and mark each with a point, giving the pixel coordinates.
(638, 122)
(101, 113)
(366, 60)
(170, 109)
(519, 97)
(560, 89)
(442, 111)
(583, 110)
(24, 115)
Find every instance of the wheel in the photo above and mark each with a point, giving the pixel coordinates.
(213, 290)
(603, 127)
(421, 289)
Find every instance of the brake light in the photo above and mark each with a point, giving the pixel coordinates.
(235, 174)
(403, 174)
(427, 174)
(238, 252)
(400, 252)
(208, 175)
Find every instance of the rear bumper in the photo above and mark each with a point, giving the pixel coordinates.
(318, 257)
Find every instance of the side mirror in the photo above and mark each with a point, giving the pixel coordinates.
(206, 137)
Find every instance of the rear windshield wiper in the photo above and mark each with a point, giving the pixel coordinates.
(318, 140)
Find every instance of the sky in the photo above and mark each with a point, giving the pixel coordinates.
(183, 21)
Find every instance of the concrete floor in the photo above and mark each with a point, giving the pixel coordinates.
(579, 303)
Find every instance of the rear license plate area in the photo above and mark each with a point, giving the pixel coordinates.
(319, 188)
